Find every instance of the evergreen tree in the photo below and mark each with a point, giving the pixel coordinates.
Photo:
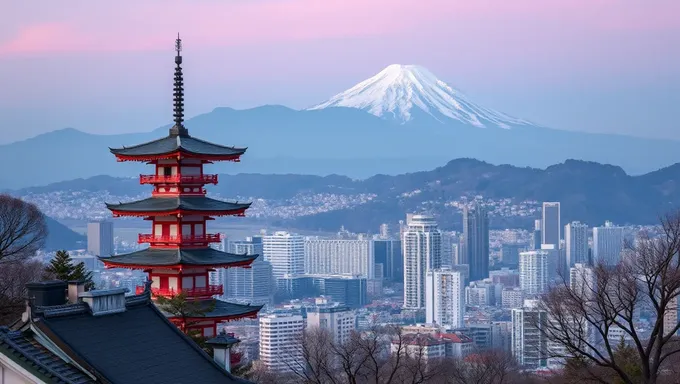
(61, 268)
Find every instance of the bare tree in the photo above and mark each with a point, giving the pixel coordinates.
(584, 315)
(22, 229)
(13, 280)
(492, 367)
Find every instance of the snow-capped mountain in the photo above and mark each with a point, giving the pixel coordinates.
(402, 92)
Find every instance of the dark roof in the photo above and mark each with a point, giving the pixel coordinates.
(35, 358)
(138, 345)
(227, 309)
(186, 203)
(175, 143)
(176, 256)
(223, 339)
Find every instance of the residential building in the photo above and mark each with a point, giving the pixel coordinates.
(512, 298)
(476, 241)
(100, 238)
(533, 271)
(421, 244)
(285, 252)
(249, 285)
(510, 253)
(339, 321)
(607, 244)
(444, 302)
(351, 257)
(529, 344)
(576, 243)
(280, 341)
(537, 237)
(550, 224)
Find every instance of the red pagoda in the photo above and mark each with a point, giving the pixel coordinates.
(179, 256)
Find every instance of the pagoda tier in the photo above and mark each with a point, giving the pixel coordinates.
(180, 146)
(222, 311)
(178, 205)
(178, 259)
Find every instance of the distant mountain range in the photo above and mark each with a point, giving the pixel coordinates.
(589, 192)
(402, 120)
(61, 237)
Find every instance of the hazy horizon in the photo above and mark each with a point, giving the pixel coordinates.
(597, 66)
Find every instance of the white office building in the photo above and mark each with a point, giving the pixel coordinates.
(252, 285)
(280, 341)
(350, 257)
(445, 300)
(339, 321)
(607, 244)
(421, 246)
(529, 345)
(576, 243)
(285, 252)
(534, 271)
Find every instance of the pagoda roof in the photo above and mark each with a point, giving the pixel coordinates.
(176, 204)
(173, 144)
(162, 257)
(225, 310)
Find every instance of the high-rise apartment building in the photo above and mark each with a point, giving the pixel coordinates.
(607, 244)
(582, 280)
(476, 241)
(285, 252)
(576, 243)
(351, 257)
(388, 257)
(537, 239)
(550, 224)
(534, 271)
(100, 238)
(529, 344)
(421, 245)
(253, 285)
(445, 301)
(280, 341)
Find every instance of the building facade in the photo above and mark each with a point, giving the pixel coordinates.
(576, 243)
(351, 257)
(607, 244)
(280, 341)
(529, 344)
(249, 285)
(421, 244)
(550, 224)
(339, 321)
(285, 252)
(100, 238)
(476, 241)
(389, 259)
(534, 271)
(445, 301)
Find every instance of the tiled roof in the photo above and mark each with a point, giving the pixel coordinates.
(187, 257)
(228, 310)
(170, 144)
(32, 356)
(170, 204)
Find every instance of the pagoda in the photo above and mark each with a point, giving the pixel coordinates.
(179, 256)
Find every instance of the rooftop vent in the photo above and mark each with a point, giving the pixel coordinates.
(47, 293)
(105, 301)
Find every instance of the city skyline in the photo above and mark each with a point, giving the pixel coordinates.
(321, 50)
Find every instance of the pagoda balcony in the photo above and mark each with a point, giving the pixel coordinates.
(178, 179)
(210, 290)
(150, 238)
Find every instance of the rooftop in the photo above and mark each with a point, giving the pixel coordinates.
(171, 145)
(179, 257)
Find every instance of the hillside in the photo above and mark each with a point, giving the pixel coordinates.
(588, 191)
(61, 237)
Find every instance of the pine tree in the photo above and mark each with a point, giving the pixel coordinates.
(61, 268)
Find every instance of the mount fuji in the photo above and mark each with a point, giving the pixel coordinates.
(401, 120)
(406, 93)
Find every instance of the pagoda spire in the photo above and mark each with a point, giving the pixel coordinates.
(178, 94)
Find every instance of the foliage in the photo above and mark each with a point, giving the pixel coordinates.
(61, 267)
(13, 280)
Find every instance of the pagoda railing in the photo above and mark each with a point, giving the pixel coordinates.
(210, 290)
(195, 179)
(208, 238)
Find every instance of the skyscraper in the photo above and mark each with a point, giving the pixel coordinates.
(533, 271)
(388, 255)
(551, 228)
(537, 238)
(529, 343)
(421, 245)
(280, 335)
(576, 243)
(286, 253)
(100, 238)
(445, 301)
(607, 244)
(476, 241)
(249, 285)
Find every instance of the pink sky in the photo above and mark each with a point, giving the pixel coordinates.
(583, 64)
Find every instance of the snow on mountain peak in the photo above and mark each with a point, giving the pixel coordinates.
(398, 91)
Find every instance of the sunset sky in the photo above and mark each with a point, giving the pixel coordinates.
(592, 65)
